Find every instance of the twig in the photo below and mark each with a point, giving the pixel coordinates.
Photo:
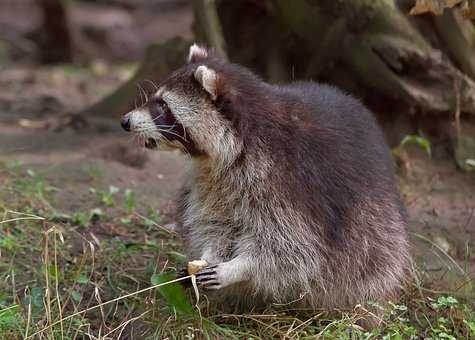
(124, 324)
(462, 272)
(457, 107)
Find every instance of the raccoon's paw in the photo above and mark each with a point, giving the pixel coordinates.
(209, 278)
(215, 277)
(223, 274)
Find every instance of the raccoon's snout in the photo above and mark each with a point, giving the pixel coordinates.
(125, 123)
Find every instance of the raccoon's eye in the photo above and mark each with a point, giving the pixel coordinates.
(158, 107)
(164, 106)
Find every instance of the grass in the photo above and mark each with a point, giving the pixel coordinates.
(104, 273)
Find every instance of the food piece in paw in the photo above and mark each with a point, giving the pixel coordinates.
(196, 266)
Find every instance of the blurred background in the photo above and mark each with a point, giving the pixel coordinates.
(70, 68)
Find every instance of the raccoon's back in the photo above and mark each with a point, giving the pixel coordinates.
(337, 163)
(342, 140)
(342, 118)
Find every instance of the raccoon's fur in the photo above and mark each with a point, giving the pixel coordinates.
(290, 196)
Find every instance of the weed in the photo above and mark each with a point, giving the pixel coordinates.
(93, 171)
(106, 197)
(400, 155)
(84, 219)
(419, 141)
(444, 302)
(130, 201)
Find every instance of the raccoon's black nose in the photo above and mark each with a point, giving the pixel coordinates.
(125, 123)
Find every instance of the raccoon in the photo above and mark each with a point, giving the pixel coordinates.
(290, 196)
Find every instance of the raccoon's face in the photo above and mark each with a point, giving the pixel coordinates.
(182, 114)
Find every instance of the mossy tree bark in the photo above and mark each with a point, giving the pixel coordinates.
(421, 64)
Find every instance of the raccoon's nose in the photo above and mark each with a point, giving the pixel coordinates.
(125, 123)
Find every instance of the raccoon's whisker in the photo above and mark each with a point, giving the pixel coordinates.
(173, 133)
(148, 129)
(136, 97)
(154, 119)
(185, 151)
(166, 126)
(153, 83)
(166, 139)
(171, 128)
(184, 133)
(142, 94)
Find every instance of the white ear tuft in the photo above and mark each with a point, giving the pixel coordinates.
(197, 52)
(208, 78)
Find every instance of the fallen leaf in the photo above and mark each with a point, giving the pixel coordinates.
(423, 6)
(468, 9)
(437, 7)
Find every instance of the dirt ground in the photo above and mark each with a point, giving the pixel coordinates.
(440, 199)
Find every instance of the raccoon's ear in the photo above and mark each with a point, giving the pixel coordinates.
(208, 78)
(196, 53)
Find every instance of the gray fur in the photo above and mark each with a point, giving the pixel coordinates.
(290, 195)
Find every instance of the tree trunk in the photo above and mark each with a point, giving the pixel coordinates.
(55, 42)
(369, 47)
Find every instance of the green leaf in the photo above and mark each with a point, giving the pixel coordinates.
(419, 141)
(444, 302)
(444, 335)
(108, 200)
(35, 298)
(173, 293)
(125, 220)
(54, 272)
(177, 257)
(81, 219)
(82, 278)
(471, 326)
(30, 173)
(129, 200)
(76, 296)
(10, 318)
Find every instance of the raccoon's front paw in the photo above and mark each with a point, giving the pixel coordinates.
(210, 277)
(216, 276)
(223, 274)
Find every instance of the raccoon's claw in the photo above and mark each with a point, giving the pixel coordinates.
(183, 272)
(208, 278)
